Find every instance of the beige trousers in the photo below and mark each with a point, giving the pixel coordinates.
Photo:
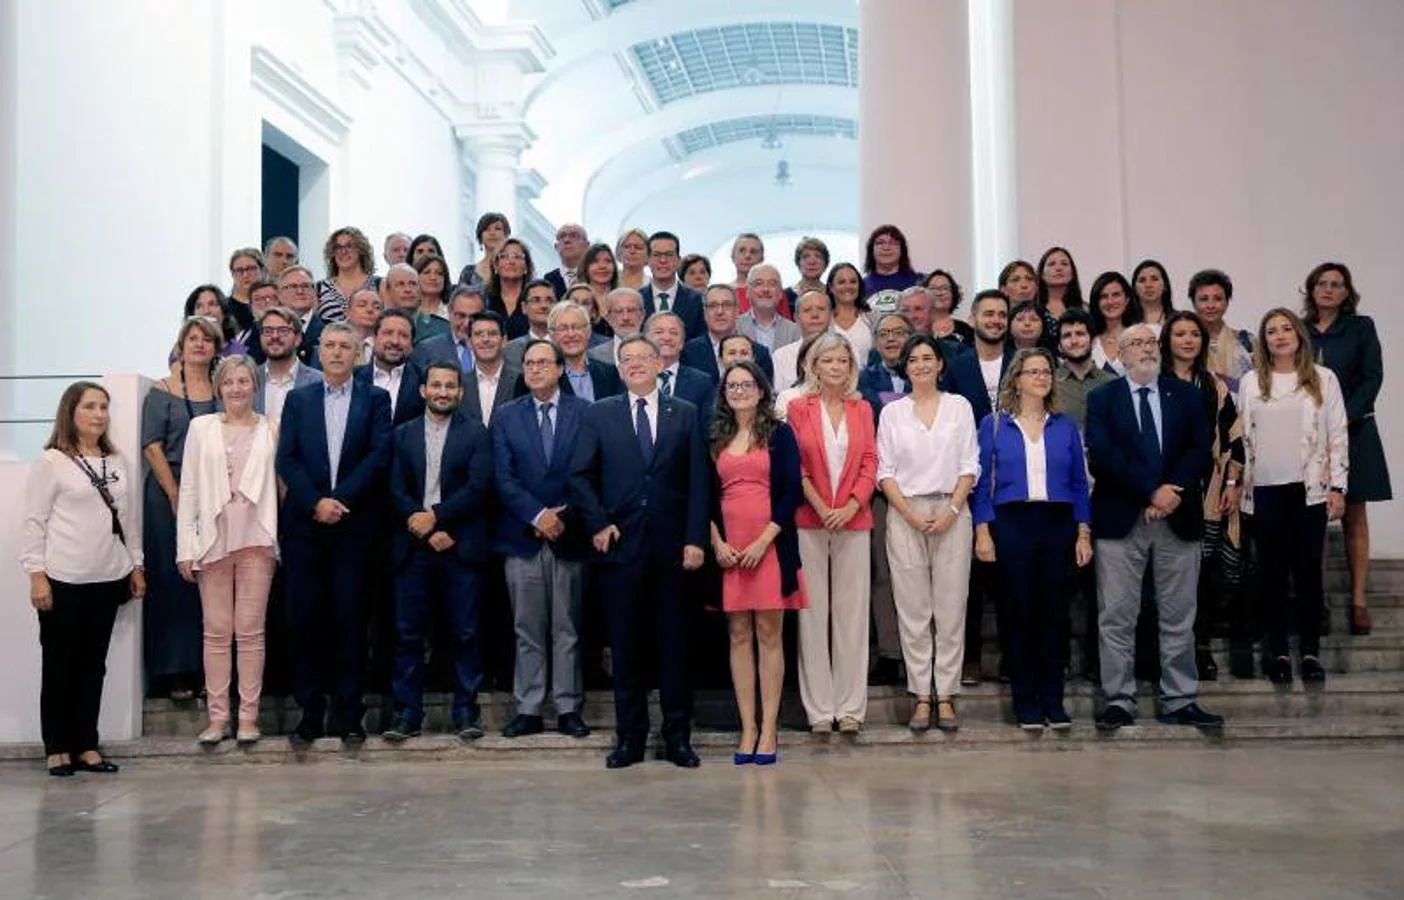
(930, 581)
(889, 641)
(833, 630)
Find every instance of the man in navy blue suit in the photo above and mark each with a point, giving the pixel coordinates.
(720, 310)
(674, 378)
(544, 541)
(665, 293)
(440, 485)
(389, 368)
(640, 478)
(333, 448)
(1148, 446)
(586, 378)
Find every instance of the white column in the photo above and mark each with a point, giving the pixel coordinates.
(9, 121)
(914, 128)
(496, 149)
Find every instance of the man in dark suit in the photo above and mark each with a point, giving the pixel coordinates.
(389, 368)
(571, 244)
(279, 333)
(976, 375)
(640, 479)
(490, 381)
(719, 315)
(537, 299)
(674, 378)
(1148, 442)
(665, 292)
(297, 291)
(879, 382)
(333, 448)
(589, 379)
(440, 482)
(544, 541)
(456, 345)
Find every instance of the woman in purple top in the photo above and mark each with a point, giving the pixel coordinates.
(888, 262)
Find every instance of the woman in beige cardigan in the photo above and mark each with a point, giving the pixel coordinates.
(226, 540)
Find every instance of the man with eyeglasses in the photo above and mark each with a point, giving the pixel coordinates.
(537, 300)
(624, 311)
(297, 291)
(720, 311)
(279, 332)
(1148, 453)
(589, 379)
(571, 244)
(543, 539)
(456, 345)
(763, 323)
(641, 479)
(664, 292)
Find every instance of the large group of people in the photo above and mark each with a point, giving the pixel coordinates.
(560, 475)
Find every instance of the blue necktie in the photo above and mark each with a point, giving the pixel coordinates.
(644, 433)
(548, 433)
(1149, 440)
(465, 358)
(666, 387)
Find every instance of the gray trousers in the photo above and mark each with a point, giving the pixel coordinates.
(1121, 567)
(547, 599)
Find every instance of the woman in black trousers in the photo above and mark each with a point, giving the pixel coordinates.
(78, 529)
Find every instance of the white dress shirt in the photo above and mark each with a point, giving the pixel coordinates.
(670, 290)
(1035, 463)
(786, 362)
(923, 460)
(487, 390)
(672, 378)
(435, 434)
(67, 531)
(389, 380)
(275, 392)
(651, 410)
(835, 447)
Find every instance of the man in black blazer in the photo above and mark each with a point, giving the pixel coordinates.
(665, 292)
(491, 380)
(440, 483)
(1148, 447)
(389, 368)
(640, 478)
(720, 310)
(674, 378)
(333, 448)
(456, 344)
(589, 379)
(571, 244)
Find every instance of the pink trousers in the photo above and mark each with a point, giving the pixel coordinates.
(234, 597)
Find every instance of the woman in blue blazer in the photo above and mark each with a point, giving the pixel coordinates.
(1032, 513)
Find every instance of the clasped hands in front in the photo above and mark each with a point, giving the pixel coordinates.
(1163, 502)
(422, 525)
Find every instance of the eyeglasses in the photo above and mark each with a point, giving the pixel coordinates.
(244, 270)
(573, 328)
(1323, 283)
(338, 248)
(718, 304)
(887, 334)
(1140, 343)
(740, 387)
(511, 257)
(295, 287)
(277, 331)
(633, 358)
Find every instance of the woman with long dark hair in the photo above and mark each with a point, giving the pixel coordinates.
(887, 261)
(1184, 353)
(850, 309)
(755, 493)
(1114, 308)
(492, 231)
(432, 316)
(171, 619)
(511, 272)
(209, 302)
(1058, 287)
(600, 272)
(1346, 343)
(945, 300)
(1152, 286)
(84, 560)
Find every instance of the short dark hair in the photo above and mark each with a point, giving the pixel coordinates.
(293, 320)
(664, 236)
(990, 294)
(467, 290)
(1075, 315)
(1210, 278)
(261, 284)
(812, 243)
(540, 342)
(721, 344)
(488, 315)
(536, 283)
(904, 260)
(446, 366)
(394, 312)
(919, 340)
(488, 219)
(956, 295)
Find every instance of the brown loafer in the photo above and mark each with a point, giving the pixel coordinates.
(921, 715)
(946, 717)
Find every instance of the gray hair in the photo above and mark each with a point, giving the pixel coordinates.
(1127, 332)
(401, 267)
(296, 267)
(391, 236)
(566, 308)
(636, 338)
(342, 328)
(877, 326)
(721, 286)
(622, 292)
(228, 364)
(757, 270)
(660, 316)
(913, 291)
(280, 239)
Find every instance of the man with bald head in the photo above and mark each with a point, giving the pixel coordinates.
(571, 244)
(763, 323)
(1148, 453)
(814, 315)
(720, 311)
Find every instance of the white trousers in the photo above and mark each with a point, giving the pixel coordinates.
(833, 630)
(930, 582)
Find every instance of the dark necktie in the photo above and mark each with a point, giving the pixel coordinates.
(663, 302)
(1149, 440)
(548, 433)
(666, 388)
(644, 433)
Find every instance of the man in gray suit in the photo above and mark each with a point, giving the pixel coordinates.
(279, 335)
(763, 322)
(491, 382)
(624, 310)
(536, 303)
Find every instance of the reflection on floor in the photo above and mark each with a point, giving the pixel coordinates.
(1253, 822)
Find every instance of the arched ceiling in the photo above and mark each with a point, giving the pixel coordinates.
(651, 105)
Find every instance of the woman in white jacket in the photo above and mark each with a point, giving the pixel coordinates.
(226, 540)
(1294, 480)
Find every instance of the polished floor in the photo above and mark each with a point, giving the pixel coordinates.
(1257, 822)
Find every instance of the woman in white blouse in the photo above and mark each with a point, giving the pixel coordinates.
(83, 557)
(1295, 444)
(928, 460)
(226, 540)
(833, 425)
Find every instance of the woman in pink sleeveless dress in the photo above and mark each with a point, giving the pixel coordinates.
(756, 490)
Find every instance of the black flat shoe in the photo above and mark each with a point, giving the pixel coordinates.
(623, 756)
(523, 725)
(102, 766)
(1279, 671)
(62, 770)
(683, 756)
(1193, 715)
(354, 736)
(1312, 671)
(572, 725)
(1114, 717)
(401, 730)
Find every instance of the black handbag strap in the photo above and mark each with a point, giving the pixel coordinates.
(99, 482)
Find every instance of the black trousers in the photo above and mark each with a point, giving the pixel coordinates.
(1033, 545)
(429, 581)
(641, 600)
(986, 589)
(74, 636)
(1290, 536)
(326, 589)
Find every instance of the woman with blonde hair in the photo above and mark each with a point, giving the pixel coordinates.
(632, 250)
(226, 540)
(1295, 474)
(171, 618)
(833, 426)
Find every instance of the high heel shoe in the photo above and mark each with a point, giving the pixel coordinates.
(745, 759)
(768, 759)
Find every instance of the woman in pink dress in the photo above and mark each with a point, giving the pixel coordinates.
(755, 492)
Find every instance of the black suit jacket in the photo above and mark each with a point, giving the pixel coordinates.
(509, 386)
(603, 376)
(408, 405)
(304, 466)
(658, 506)
(963, 376)
(1124, 479)
(686, 303)
(557, 282)
(698, 354)
(465, 485)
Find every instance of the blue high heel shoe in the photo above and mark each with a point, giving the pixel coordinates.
(745, 759)
(767, 759)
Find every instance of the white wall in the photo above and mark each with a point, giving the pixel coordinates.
(1273, 145)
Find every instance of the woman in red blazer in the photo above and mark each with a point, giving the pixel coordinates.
(838, 465)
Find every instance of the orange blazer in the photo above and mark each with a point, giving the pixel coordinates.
(859, 476)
